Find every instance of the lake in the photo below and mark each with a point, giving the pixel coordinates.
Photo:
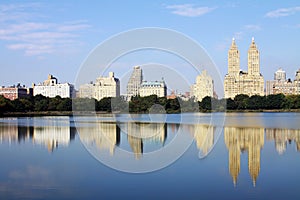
(188, 156)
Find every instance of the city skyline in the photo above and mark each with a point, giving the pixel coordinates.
(51, 37)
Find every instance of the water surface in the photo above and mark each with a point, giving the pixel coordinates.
(256, 155)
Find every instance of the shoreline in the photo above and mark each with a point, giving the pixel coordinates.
(71, 113)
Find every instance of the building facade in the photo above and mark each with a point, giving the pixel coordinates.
(239, 82)
(280, 75)
(203, 87)
(15, 92)
(134, 82)
(51, 88)
(103, 87)
(158, 88)
(281, 85)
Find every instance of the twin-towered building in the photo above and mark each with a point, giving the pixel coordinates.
(240, 82)
(236, 82)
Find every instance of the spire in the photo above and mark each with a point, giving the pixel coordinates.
(253, 45)
(253, 42)
(233, 42)
(233, 45)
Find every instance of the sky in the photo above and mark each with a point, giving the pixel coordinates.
(38, 38)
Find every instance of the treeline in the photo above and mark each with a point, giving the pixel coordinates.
(270, 102)
(36, 103)
(40, 103)
(151, 103)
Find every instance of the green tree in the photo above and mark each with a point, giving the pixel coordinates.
(230, 104)
(206, 104)
(84, 104)
(256, 102)
(5, 105)
(275, 101)
(241, 101)
(65, 104)
(53, 103)
(104, 104)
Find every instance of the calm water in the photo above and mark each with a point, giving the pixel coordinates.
(254, 156)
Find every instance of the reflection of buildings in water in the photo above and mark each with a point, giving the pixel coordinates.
(282, 136)
(104, 135)
(40, 132)
(53, 132)
(204, 137)
(240, 139)
(8, 133)
(52, 136)
(15, 131)
(174, 127)
(138, 133)
(136, 145)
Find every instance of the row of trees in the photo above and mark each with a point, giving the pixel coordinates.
(150, 104)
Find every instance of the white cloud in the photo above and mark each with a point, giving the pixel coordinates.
(189, 10)
(252, 27)
(283, 12)
(37, 38)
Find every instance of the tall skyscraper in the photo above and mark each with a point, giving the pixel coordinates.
(233, 59)
(239, 82)
(253, 59)
(134, 82)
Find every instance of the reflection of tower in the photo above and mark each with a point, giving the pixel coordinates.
(104, 135)
(204, 136)
(256, 142)
(237, 139)
(233, 145)
(136, 145)
(140, 132)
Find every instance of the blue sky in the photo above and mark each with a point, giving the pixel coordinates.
(38, 38)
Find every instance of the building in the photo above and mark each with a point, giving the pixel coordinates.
(51, 88)
(134, 82)
(103, 87)
(280, 75)
(240, 82)
(203, 87)
(281, 85)
(158, 88)
(15, 92)
(183, 96)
